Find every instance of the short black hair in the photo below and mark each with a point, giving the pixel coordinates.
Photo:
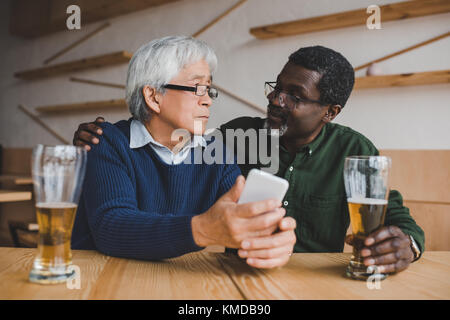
(338, 75)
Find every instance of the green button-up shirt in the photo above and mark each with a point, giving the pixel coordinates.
(316, 197)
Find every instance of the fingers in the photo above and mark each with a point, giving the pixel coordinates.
(390, 245)
(268, 263)
(276, 240)
(390, 258)
(264, 226)
(261, 233)
(86, 137)
(265, 220)
(287, 223)
(349, 239)
(400, 265)
(80, 143)
(251, 209)
(383, 234)
(235, 192)
(390, 250)
(270, 253)
(91, 127)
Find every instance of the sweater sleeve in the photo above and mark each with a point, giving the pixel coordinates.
(117, 226)
(230, 172)
(398, 215)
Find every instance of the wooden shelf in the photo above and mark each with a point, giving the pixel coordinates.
(84, 106)
(10, 196)
(78, 65)
(19, 180)
(404, 79)
(39, 17)
(390, 12)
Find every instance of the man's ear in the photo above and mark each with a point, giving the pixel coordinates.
(152, 99)
(332, 111)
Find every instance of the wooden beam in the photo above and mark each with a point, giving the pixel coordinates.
(390, 12)
(10, 196)
(76, 43)
(34, 18)
(19, 180)
(248, 103)
(42, 124)
(98, 83)
(78, 65)
(213, 22)
(84, 106)
(418, 45)
(405, 79)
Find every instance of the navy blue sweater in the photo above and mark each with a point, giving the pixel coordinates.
(133, 205)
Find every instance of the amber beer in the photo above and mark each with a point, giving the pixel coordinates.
(55, 229)
(366, 216)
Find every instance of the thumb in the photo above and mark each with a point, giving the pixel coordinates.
(349, 239)
(235, 192)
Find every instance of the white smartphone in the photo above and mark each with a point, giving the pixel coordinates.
(261, 185)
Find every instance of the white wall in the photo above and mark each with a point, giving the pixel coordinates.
(393, 118)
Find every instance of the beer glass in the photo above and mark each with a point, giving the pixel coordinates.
(366, 185)
(58, 173)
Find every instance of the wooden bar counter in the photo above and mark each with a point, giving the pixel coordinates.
(206, 275)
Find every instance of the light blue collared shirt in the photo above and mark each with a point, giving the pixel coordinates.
(139, 137)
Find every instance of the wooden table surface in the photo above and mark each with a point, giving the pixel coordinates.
(205, 275)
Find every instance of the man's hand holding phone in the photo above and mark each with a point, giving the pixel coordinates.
(275, 249)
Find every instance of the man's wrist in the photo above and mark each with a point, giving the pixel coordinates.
(415, 248)
(198, 231)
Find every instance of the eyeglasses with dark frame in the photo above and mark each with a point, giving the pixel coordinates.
(291, 101)
(199, 90)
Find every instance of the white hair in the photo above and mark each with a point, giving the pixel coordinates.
(159, 61)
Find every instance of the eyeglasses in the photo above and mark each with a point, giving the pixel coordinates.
(286, 99)
(199, 90)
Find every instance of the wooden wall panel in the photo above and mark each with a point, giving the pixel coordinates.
(434, 219)
(421, 175)
(16, 161)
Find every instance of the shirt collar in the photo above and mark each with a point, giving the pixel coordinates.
(139, 137)
(313, 145)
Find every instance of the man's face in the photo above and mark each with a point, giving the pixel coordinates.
(302, 120)
(180, 109)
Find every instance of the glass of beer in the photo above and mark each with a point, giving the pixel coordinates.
(58, 173)
(366, 185)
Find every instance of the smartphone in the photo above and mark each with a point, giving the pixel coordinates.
(261, 185)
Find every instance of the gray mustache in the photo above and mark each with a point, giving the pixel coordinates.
(277, 111)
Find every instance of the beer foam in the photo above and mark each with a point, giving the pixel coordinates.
(56, 205)
(370, 201)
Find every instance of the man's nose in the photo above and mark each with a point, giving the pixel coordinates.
(276, 99)
(206, 100)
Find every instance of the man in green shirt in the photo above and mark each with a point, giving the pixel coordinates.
(310, 91)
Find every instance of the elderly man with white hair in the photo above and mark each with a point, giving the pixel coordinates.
(141, 199)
